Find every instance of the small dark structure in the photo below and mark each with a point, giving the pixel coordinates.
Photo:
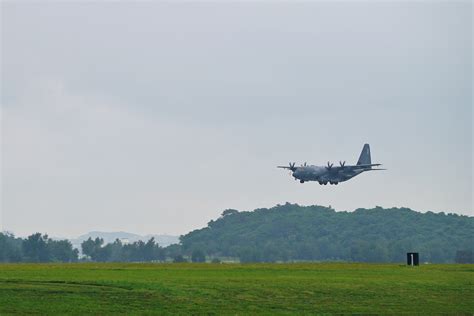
(413, 259)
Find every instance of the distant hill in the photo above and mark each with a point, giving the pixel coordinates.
(109, 237)
(293, 232)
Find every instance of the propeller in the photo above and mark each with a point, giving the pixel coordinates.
(329, 166)
(292, 166)
(342, 163)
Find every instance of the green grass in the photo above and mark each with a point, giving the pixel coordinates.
(99, 289)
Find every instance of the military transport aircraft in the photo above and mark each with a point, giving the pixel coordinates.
(333, 174)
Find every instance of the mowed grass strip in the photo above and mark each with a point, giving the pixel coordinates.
(116, 288)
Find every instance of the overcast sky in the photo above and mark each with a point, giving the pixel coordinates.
(155, 117)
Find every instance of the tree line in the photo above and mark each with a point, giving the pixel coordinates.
(36, 248)
(283, 233)
(138, 251)
(40, 248)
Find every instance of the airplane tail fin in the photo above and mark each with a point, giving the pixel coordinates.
(364, 158)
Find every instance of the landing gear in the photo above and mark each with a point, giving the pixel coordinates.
(301, 181)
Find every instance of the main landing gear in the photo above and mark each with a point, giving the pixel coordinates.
(325, 182)
(322, 182)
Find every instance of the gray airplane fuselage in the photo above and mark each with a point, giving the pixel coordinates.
(333, 174)
(323, 174)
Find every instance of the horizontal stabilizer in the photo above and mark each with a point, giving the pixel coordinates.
(369, 165)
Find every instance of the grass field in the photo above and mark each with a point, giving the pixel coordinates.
(235, 288)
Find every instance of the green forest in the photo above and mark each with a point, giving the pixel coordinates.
(316, 233)
(284, 233)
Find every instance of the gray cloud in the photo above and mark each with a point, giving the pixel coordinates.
(153, 117)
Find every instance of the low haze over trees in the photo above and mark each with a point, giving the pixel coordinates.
(283, 233)
(116, 251)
